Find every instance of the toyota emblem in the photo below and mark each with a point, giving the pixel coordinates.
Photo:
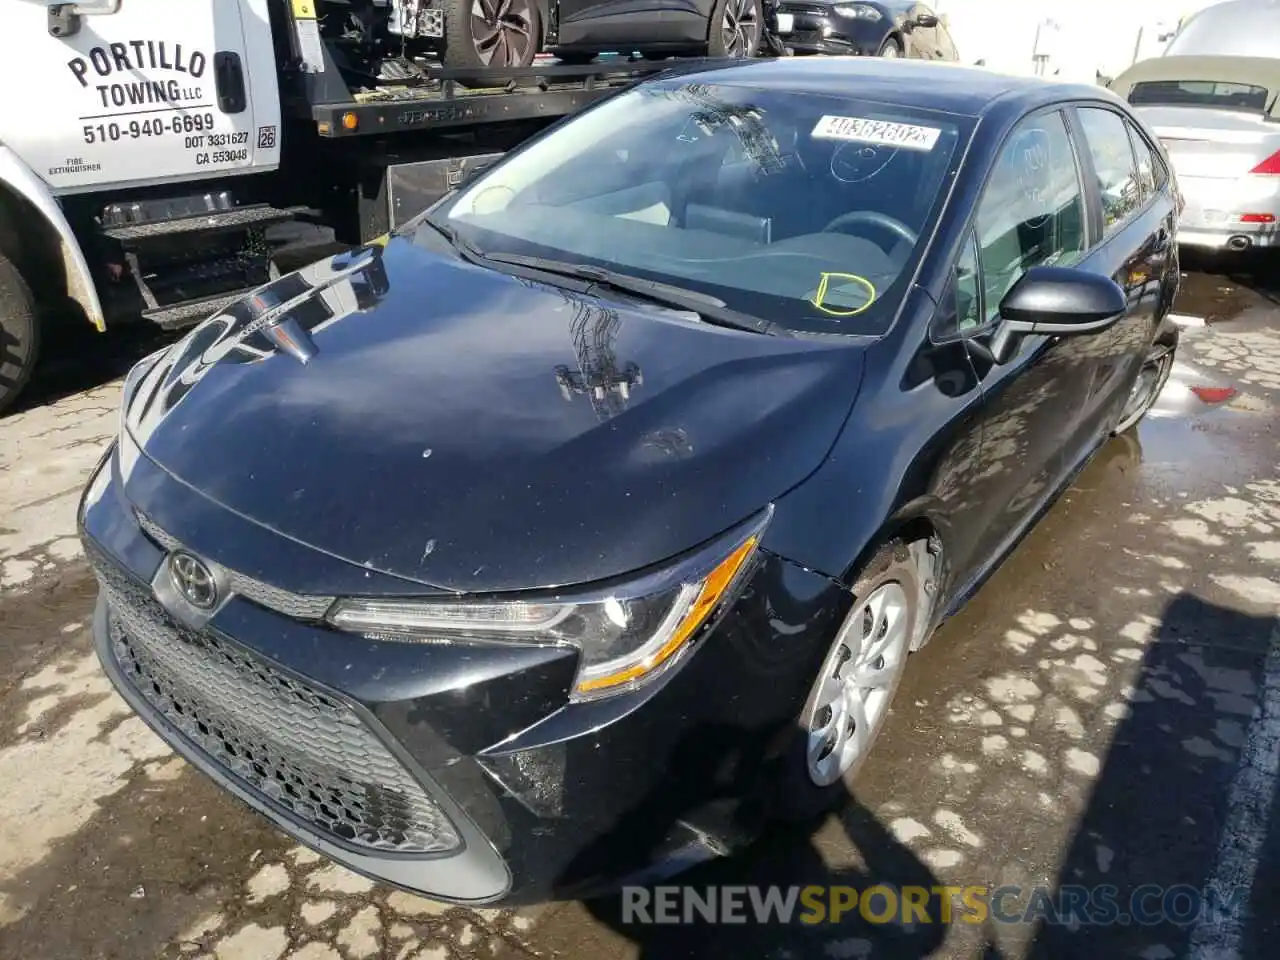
(193, 581)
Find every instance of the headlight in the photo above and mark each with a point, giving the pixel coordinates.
(858, 11)
(626, 635)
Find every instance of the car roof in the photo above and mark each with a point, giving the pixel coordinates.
(949, 87)
(1231, 28)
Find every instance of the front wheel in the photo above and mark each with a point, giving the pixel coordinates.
(891, 48)
(19, 332)
(735, 28)
(850, 697)
(1152, 377)
(483, 34)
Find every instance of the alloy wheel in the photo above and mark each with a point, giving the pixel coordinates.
(1146, 388)
(857, 682)
(502, 31)
(740, 28)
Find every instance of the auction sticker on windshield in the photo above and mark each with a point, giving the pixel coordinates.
(863, 130)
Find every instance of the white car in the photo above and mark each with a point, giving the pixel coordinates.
(1217, 117)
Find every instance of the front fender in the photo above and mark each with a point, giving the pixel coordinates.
(18, 177)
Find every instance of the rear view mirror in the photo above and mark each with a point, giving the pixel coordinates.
(926, 20)
(1057, 301)
(1062, 301)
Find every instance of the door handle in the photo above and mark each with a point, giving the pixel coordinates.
(228, 77)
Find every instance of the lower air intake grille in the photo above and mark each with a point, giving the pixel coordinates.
(296, 747)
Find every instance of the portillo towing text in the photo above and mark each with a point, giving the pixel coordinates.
(135, 55)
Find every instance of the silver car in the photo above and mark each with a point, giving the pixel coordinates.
(1218, 119)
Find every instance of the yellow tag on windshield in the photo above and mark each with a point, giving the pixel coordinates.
(843, 286)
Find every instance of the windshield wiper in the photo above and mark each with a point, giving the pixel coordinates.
(711, 309)
(464, 247)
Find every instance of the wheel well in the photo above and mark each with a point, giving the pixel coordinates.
(924, 543)
(36, 251)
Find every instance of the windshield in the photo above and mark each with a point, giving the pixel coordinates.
(804, 210)
(1243, 97)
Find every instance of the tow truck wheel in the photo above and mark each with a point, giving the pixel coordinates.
(19, 332)
(479, 34)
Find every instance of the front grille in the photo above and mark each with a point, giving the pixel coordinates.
(809, 38)
(296, 747)
(295, 605)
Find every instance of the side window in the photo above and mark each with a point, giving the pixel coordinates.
(1149, 158)
(1146, 164)
(1118, 180)
(1032, 211)
(967, 295)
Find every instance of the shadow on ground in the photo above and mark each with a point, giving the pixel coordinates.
(1217, 285)
(1176, 854)
(788, 859)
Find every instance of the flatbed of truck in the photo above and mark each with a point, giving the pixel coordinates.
(444, 98)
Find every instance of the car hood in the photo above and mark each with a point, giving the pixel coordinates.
(473, 431)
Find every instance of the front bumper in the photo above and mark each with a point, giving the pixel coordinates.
(455, 771)
(817, 30)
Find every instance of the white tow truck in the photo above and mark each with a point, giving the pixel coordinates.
(150, 149)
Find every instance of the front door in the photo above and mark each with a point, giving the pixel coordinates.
(1032, 213)
(144, 91)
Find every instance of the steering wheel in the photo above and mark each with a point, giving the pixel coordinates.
(873, 218)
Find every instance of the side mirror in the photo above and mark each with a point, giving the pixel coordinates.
(1058, 301)
(926, 20)
(64, 18)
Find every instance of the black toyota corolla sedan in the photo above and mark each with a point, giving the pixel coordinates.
(591, 518)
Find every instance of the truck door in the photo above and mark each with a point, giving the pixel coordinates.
(133, 92)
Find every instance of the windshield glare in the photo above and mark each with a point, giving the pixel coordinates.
(801, 209)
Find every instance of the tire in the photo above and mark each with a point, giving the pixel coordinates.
(19, 333)
(795, 793)
(735, 28)
(1152, 377)
(892, 47)
(517, 42)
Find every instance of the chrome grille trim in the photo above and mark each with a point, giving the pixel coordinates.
(295, 605)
